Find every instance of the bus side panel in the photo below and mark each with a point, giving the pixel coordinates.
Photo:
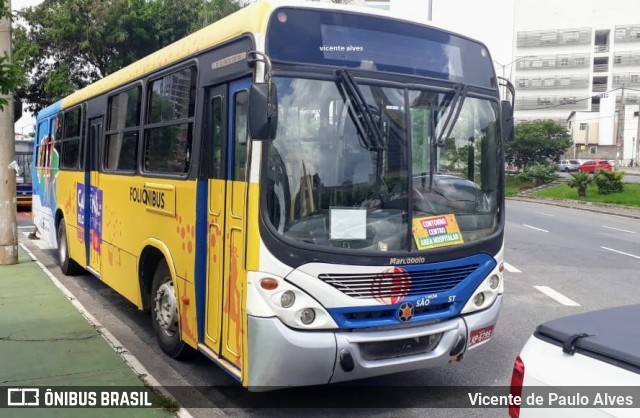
(253, 262)
(44, 183)
(69, 190)
(120, 273)
(137, 210)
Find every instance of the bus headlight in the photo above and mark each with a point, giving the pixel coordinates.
(486, 293)
(307, 316)
(479, 299)
(287, 299)
(270, 296)
(494, 282)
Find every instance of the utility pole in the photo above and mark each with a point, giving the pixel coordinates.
(634, 152)
(620, 131)
(8, 225)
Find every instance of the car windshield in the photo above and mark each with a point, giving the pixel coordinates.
(331, 182)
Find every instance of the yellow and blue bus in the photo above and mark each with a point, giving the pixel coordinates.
(305, 193)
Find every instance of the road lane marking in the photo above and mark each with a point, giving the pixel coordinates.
(557, 296)
(618, 229)
(533, 227)
(545, 214)
(620, 252)
(510, 268)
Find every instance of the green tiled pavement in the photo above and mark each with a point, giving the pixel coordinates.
(45, 341)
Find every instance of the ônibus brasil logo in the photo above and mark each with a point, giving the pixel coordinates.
(391, 286)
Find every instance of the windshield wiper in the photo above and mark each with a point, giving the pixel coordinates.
(460, 92)
(371, 136)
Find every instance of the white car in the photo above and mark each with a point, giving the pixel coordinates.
(569, 165)
(584, 365)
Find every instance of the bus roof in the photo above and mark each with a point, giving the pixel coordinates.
(250, 19)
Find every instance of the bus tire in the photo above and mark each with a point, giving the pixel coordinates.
(67, 264)
(164, 312)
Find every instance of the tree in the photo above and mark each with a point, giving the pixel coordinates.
(66, 44)
(11, 75)
(608, 181)
(538, 142)
(580, 181)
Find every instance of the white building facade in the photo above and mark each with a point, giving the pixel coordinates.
(581, 56)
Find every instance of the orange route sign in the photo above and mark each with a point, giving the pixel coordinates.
(436, 231)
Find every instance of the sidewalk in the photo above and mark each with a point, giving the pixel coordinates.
(45, 341)
(630, 171)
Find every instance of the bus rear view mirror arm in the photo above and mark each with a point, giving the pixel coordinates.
(263, 111)
(263, 102)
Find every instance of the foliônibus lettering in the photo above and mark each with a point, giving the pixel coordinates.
(147, 197)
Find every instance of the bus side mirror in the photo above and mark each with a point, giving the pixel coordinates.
(507, 121)
(263, 111)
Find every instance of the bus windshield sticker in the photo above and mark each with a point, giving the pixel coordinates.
(348, 223)
(436, 231)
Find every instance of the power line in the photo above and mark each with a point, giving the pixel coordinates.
(580, 100)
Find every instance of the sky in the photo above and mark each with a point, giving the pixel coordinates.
(26, 123)
(489, 21)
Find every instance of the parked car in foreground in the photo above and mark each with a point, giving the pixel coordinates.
(590, 166)
(568, 165)
(589, 361)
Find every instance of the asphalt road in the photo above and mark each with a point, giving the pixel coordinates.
(560, 261)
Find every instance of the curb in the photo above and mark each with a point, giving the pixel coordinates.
(132, 361)
(585, 206)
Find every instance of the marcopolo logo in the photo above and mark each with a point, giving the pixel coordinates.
(408, 260)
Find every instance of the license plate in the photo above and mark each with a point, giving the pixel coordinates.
(479, 335)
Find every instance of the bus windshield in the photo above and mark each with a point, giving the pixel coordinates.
(330, 182)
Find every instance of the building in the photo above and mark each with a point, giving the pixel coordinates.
(579, 56)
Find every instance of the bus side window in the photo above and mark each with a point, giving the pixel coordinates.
(53, 146)
(241, 109)
(217, 166)
(41, 140)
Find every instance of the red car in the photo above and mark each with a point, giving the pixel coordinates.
(592, 165)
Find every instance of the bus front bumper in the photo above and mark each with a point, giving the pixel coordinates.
(282, 357)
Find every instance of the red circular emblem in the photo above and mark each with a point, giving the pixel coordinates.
(391, 286)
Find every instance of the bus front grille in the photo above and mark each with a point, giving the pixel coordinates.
(398, 282)
(399, 348)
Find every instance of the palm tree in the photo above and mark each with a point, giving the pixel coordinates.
(580, 181)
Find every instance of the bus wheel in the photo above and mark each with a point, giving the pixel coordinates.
(164, 315)
(67, 265)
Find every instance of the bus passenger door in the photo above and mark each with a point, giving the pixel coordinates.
(226, 274)
(93, 195)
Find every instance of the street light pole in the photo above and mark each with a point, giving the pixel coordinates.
(504, 66)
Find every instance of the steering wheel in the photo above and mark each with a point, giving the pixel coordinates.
(421, 202)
